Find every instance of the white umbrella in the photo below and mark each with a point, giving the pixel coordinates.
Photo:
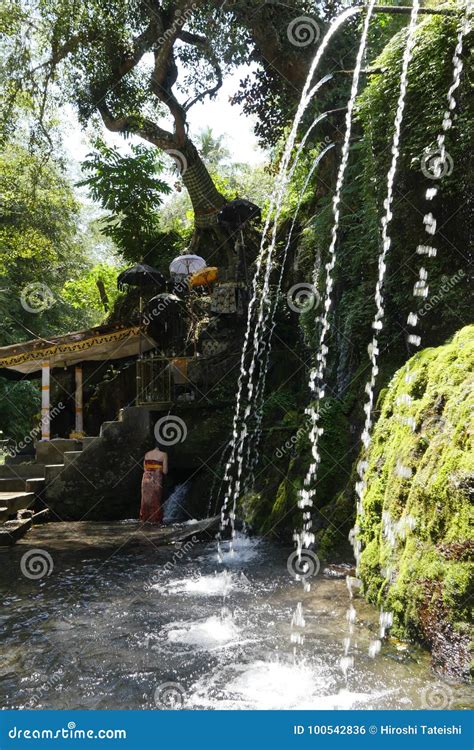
(187, 264)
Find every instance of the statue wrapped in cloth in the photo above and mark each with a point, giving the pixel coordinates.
(155, 466)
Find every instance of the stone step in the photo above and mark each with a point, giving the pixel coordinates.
(87, 442)
(110, 429)
(21, 458)
(12, 484)
(52, 471)
(23, 471)
(36, 485)
(4, 512)
(51, 451)
(16, 501)
(70, 457)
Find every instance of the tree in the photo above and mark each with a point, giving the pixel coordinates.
(134, 62)
(130, 189)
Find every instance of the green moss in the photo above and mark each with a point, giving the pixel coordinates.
(429, 563)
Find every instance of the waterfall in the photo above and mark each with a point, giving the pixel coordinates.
(377, 324)
(266, 349)
(305, 537)
(438, 169)
(239, 429)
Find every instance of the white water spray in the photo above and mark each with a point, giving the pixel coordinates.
(377, 324)
(305, 537)
(239, 430)
(266, 347)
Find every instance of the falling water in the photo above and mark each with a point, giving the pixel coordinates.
(252, 447)
(440, 167)
(377, 325)
(305, 537)
(239, 430)
(397, 530)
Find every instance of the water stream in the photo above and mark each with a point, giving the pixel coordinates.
(385, 618)
(121, 624)
(258, 309)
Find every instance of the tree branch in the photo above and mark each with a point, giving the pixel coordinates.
(200, 41)
(142, 127)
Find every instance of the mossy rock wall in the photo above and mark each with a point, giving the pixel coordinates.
(425, 576)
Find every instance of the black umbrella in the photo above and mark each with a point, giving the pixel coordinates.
(141, 275)
(236, 213)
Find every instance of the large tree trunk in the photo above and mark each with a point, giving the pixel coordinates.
(206, 199)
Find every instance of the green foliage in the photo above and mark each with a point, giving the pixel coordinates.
(129, 187)
(39, 244)
(84, 293)
(433, 557)
(40, 248)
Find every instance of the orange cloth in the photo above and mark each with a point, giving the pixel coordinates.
(151, 509)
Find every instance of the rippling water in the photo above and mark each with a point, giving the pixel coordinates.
(111, 625)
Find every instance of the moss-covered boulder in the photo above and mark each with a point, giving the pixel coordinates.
(417, 542)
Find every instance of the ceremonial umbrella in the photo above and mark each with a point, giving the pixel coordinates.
(187, 264)
(141, 275)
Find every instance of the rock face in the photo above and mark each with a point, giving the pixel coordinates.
(417, 545)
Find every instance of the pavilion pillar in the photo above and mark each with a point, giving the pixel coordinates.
(45, 401)
(78, 400)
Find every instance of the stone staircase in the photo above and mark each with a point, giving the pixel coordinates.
(67, 476)
(93, 478)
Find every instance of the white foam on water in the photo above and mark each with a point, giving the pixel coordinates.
(242, 549)
(215, 632)
(276, 686)
(218, 584)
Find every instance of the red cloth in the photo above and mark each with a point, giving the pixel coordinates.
(151, 510)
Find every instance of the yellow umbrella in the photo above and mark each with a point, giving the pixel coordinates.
(204, 277)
